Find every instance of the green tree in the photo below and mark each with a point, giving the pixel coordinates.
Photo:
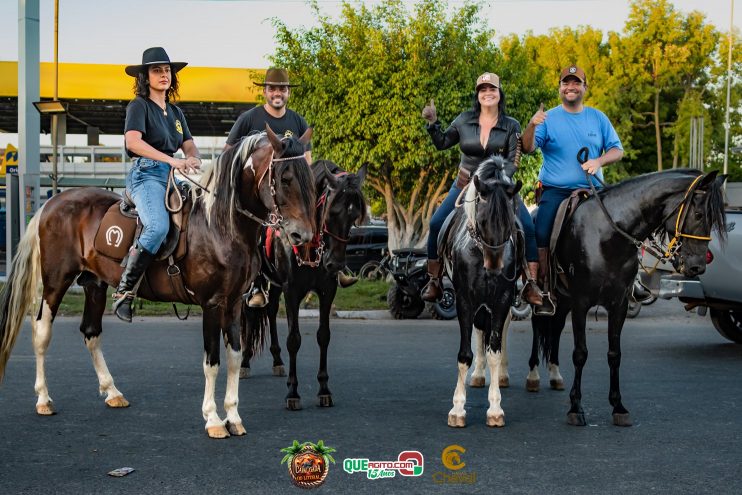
(661, 57)
(365, 79)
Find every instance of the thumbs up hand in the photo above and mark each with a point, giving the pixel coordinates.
(539, 117)
(429, 113)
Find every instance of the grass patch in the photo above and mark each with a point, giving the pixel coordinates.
(362, 296)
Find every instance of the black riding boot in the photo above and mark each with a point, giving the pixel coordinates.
(137, 263)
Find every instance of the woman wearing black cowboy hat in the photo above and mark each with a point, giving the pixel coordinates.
(154, 130)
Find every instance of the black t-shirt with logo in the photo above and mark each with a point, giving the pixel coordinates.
(165, 133)
(254, 120)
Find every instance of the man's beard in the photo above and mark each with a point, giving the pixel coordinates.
(277, 103)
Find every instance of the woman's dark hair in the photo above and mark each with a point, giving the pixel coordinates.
(477, 107)
(141, 85)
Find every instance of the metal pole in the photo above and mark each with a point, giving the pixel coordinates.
(729, 88)
(55, 127)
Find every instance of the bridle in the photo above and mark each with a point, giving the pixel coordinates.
(318, 239)
(653, 247)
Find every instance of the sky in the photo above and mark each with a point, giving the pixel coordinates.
(239, 33)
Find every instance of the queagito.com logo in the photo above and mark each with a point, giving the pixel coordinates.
(408, 463)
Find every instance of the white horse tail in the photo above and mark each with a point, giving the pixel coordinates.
(20, 291)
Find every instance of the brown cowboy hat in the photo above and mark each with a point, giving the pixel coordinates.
(276, 77)
(153, 56)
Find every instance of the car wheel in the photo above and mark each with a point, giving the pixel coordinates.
(634, 309)
(445, 309)
(401, 305)
(728, 323)
(520, 310)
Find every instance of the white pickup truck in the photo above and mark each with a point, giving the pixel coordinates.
(719, 288)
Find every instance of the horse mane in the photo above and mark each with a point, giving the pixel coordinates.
(352, 189)
(491, 170)
(714, 215)
(220, 180)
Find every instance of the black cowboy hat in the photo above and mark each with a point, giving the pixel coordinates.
(276, 77)
(154, 56)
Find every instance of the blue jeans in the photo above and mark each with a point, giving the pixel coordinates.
(436, 222)
(147, 183)
(551, 198)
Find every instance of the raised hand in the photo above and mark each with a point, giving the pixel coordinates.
(429, 113)
(539, 117)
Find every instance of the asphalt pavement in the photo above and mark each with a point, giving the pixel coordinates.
(393, 383)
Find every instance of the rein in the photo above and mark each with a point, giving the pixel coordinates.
(654, 248)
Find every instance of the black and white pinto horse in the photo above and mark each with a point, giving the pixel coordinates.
(481, 257)
(340, 205)
(597, 251)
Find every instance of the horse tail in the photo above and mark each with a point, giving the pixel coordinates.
(255, 325)
(542, 328)
(20, 291)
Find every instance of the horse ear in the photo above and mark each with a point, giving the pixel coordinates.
(708, 179)
(275, 142)
(331, 179)
(721, 179)
(306, 137)
(361, 174)
(513, 190)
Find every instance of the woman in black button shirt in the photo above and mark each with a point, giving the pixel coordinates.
(481, 132)
(154, 130)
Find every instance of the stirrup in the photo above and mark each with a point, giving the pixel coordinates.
(531, 283)
(122, 305)
(258, 299)
(548, 308)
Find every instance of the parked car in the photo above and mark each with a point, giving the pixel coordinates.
(368, 243)
(718, 289)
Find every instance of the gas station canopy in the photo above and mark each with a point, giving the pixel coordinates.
(97, 94)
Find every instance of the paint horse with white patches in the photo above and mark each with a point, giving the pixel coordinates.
(481, 256)
(340, 205)
(263, 177)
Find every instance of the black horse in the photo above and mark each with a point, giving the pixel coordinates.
(340, 205)
(480, 253)
(597, 253)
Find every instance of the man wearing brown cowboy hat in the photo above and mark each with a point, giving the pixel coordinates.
(283, 120)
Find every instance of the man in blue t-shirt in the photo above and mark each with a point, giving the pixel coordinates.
(560, 133)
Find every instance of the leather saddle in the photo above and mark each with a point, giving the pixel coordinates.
(564, 214)
(120, 226)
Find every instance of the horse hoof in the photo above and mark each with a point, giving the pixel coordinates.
(325, 401)
(622, 419)
(293, 404)
(244, 373)
(576, 419)
(455, 421)
(117, 402)
(45, 409)
(219, 431)
(556, 384)
(496, 421)
(476, 382)
(504, 381)
(236, 429)
(532, 385)
(279, 371)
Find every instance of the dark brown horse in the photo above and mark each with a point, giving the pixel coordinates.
(340, 205)
(263, 177)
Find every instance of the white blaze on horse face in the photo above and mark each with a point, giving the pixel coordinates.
(209, 405)
(42, 335)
